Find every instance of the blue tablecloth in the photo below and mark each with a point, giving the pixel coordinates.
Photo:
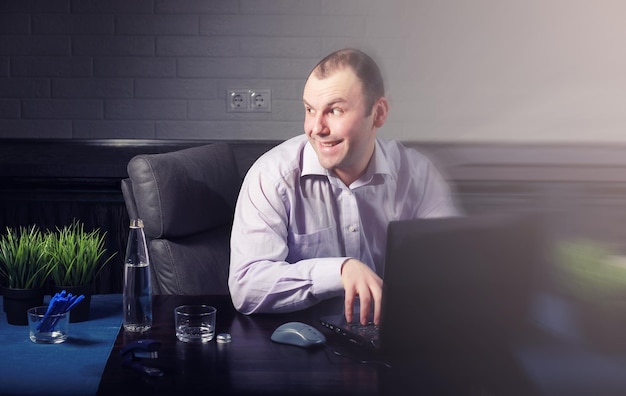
(70, 368)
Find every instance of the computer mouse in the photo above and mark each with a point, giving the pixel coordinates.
(298, 334)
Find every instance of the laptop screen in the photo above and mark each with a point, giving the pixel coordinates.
(457, 290)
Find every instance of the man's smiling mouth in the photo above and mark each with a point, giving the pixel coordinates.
(329, 144)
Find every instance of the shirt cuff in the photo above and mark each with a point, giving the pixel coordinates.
(326, 277)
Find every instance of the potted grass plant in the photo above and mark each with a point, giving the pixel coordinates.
(592, 274)
(24, 269)
(77, 256)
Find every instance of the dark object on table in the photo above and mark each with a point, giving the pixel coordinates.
(133, 353)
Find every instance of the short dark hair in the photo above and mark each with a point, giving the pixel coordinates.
(364, 67)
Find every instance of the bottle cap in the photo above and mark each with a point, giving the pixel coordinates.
(136, 223)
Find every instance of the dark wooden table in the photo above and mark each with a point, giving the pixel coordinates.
(250, 364)
(560, 359)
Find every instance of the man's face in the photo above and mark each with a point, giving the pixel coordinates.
(335, 122)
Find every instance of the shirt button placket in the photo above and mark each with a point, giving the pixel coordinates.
(351, 224)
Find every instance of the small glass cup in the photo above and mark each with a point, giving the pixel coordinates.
(195, 323)
(52, 329)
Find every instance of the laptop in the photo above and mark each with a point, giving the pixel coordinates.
(453, 287)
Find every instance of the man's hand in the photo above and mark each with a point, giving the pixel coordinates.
(360, 281)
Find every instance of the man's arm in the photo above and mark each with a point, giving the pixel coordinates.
(260, 279)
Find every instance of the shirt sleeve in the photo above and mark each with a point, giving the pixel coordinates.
(437, 200)
(260, 278)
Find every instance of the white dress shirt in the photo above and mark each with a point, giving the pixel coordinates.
(296, 222)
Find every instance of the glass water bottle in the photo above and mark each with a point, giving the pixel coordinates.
(137, 288)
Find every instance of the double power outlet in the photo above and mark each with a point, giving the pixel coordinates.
(249, 100)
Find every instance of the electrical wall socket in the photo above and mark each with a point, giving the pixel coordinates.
(261, 100)
(248, 100)
(237, 100)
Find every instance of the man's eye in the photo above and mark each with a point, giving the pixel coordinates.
(309, 110)
(336, 111)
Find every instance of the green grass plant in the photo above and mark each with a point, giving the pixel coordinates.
(590, 270)
(23, 258)
(77, 256)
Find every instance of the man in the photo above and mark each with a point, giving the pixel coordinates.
(312, 215)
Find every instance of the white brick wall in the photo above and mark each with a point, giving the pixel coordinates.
(455, 70)
(159, 69)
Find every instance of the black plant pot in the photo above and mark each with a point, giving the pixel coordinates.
(17, 301)
(80, 312)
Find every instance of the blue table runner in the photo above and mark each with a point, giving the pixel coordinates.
(71, 368)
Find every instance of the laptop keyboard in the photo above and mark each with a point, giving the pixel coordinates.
(369, 330)
(355, 333)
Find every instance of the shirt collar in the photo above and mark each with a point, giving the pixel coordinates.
(310, 163)
(378, 165)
